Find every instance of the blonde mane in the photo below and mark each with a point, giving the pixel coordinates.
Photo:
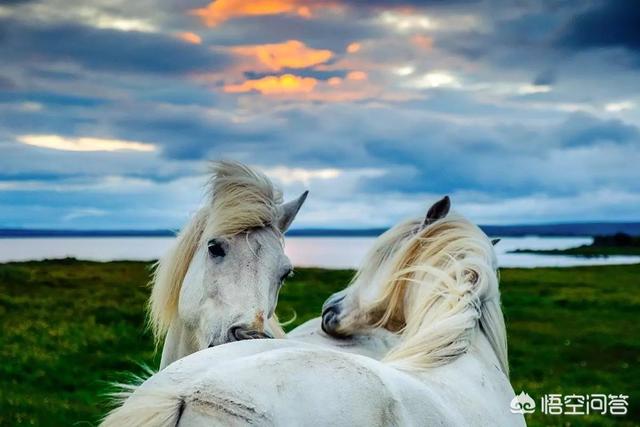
(383, 249)
(438, 286)
(239, 199)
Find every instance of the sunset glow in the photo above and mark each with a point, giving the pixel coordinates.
(357, 75)
(289, 54)
(275, 85)
(354, 47)
(219, 11)
(190, 37)
(524, 104)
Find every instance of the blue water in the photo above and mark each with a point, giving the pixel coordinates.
(327, 252)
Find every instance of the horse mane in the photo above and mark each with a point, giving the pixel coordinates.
(239, 199)
(383, 249)
(439, 286)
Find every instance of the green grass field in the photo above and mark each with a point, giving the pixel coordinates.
(69, 327)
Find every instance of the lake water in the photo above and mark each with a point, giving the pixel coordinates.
(327, 252)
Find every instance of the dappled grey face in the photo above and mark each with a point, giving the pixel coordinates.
(232, 285)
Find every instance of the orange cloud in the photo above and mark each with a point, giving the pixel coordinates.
(353, 47)
(219, 11)
(304, 11)
(290, 54)
(423, 42)
(356, 75)
(275, 85)
(333, 90)
(189, 37)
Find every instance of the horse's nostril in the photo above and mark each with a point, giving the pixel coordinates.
(235, 333)
(331, 310)
(329, 320)
(239, 333)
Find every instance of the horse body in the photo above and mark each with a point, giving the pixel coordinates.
(373, 343)
(285, 382)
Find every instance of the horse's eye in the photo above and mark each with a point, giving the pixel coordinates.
(216, 250)
(286, 275)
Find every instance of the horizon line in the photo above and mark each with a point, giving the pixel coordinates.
(583, 228)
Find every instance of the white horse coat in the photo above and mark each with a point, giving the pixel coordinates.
(373, 343)
(289, 383)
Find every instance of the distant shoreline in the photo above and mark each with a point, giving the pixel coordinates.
(602, 246)
(541, 230)
(585, 251)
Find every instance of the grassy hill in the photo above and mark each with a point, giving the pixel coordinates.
(69, 327)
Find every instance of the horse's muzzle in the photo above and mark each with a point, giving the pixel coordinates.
(239, 333)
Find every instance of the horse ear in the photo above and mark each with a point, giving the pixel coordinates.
(289, 210)
(495, 241)
(439, 210)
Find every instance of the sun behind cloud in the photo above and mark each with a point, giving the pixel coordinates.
(274, 85)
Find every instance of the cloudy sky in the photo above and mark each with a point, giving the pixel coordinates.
(523, 111)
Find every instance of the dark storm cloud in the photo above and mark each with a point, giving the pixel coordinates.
(103, 49)
(306, 72)
(184, 136)
(539, 35)
(510, 40)
(6, 83)
(506, 161)
(545, 78)
(335, 33)
(422, 153)
(613, 23)
(583, 130)
(51, 121)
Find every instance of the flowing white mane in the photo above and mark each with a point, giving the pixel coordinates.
(239, 199)
(438, 286)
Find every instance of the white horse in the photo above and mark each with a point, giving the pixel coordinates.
(441, 274)
(436, 287)
(220, 281)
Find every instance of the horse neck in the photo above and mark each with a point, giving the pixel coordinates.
(481, 348)
(178, 343)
